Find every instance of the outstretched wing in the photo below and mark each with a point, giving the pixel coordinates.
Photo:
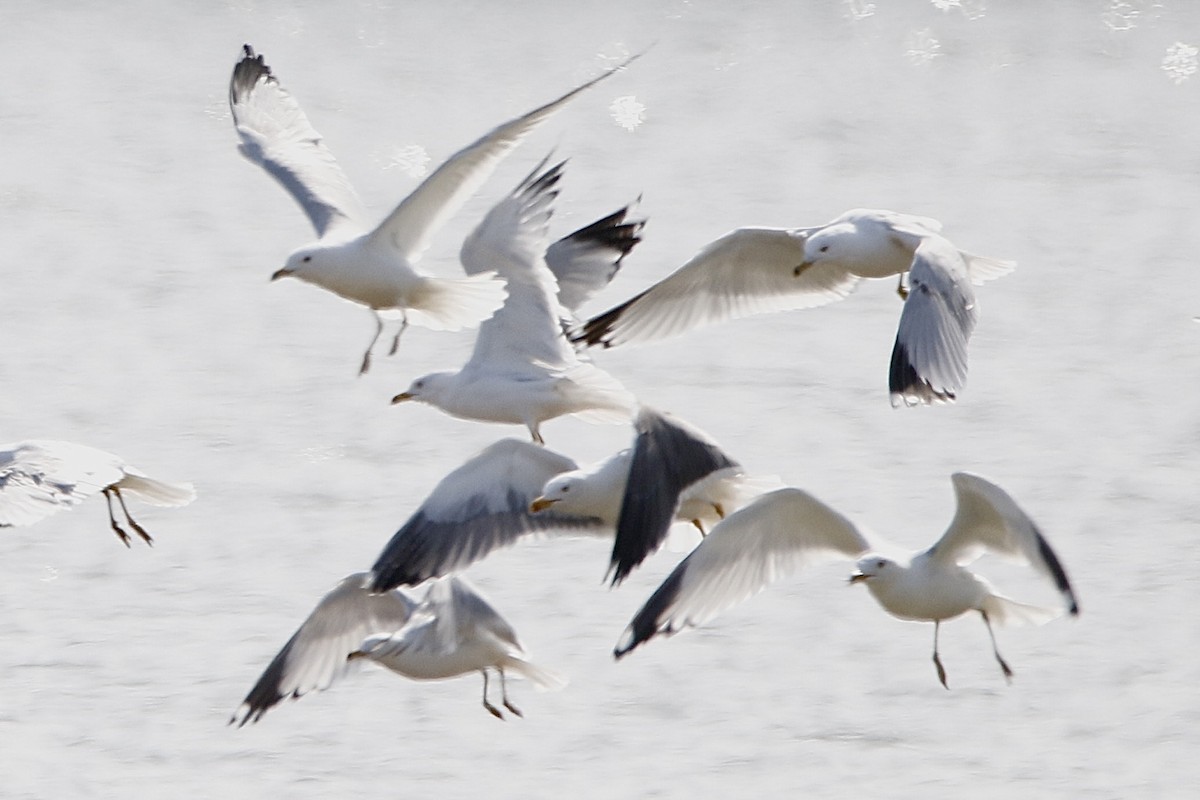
(479, 507)
(316, 655)
(411, 226)
(277, 136)
(747, 271)
(584, 262)
(987, 519)
(38, 478)
(776, 535)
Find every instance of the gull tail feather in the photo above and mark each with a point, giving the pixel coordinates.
(451, 304)
(156, 492)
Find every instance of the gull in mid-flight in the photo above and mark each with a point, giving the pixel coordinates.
(40, 477)
(375, 268)
(514, 489)
(785, 530)
(453, 631)
(756, 270)
(523, 370)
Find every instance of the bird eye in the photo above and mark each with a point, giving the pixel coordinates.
(566, 489)
(306, 259)
(823, 248)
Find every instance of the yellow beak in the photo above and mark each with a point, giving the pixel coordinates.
(541, 504)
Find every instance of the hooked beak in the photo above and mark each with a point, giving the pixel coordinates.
(356, 655)
(280, 273)
(803, 265)
(858, 577)
(541, 504)
(400, 398)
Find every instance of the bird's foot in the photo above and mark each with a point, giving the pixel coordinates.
(941, 671)
(495, 712)
(513, 709)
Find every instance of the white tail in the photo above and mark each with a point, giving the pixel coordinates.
(539, 676)
(155, 492)
(451, 304)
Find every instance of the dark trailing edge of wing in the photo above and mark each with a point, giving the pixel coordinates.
(905, 381)
(265, 694)
(1057, 572)
(424, 548)
(597, 329)
(646, 624)
(667, 459)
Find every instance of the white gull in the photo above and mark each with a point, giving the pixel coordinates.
(756, 270)
(40, 477)
(375, 268)
(785, 530)
(523, 369)
(452, 632)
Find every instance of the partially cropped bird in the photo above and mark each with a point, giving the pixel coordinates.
(39, 477)
(785, 530)
(373, 267)
(756, 270)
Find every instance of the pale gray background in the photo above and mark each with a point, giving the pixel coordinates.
(137, 317)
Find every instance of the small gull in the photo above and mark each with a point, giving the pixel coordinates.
(788, 529)
(523, 369)
(374, 268)
(673, 472)
(756, 270)
(40, 477)
(514, 489)
(453, 631)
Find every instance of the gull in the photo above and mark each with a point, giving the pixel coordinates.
(756, 270)
(787, 529)
(513, 489)
(374, 268)
(453, 631)
(456, 631)
(40, 477)
(672, 472)
(523, 370)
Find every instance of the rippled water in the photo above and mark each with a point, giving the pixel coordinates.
(139, 319)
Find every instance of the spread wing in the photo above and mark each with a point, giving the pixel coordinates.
(987, 519)
(747, 271)
(479, 507)
(38, 478)
(411, 226)
(278, 137)
(316, 655)
(776, 535)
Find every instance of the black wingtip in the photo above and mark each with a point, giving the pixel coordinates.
(598, 330)
(246, 73)
(907, 386)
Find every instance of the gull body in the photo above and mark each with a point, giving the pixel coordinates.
(41, 476)
(523, 369)
(451, 632)
(456, 632)
(757, 270)
(373, 267)
(785, 530)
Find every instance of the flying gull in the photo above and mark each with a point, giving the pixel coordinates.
(453, 631)
(756, 270)
(785, 530)
(40, 477)
(523, 370)
(375, 268)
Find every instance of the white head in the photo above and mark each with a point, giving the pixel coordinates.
(583, 492)
(840, 243)
(426, 389)
(872, 567)
(301, 263)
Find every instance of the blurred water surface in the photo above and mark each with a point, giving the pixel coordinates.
(138, 318)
